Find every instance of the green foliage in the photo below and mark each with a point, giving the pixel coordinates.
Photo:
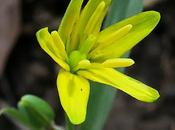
(15, 115)
(32, 112)
(121, 9)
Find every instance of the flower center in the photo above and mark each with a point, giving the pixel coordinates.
(74, 58)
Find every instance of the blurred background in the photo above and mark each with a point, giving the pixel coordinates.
(26, 69)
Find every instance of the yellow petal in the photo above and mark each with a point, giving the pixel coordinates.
(142, 24)
(59, 45)
(120, 81)
(77, 35)
(118, 62)
(74, 40)
(85, 64)
(89, 9)
(47, 44)
(74, 93)
(86, 46)
(110, 63)
(94, 23)
(46, 41)
(104, 41)
(69, 19)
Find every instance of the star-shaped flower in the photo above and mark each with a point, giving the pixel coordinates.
(84, 52)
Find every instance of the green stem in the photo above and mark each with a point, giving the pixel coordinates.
(56, 127)
(69, 125)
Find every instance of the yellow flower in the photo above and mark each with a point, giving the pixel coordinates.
(84, 52)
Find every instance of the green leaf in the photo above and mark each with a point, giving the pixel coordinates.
(39, 105)
(32, 112)
(121, 9)
(15, 115)
(101, 97)
(21, 118)
(39, 112)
